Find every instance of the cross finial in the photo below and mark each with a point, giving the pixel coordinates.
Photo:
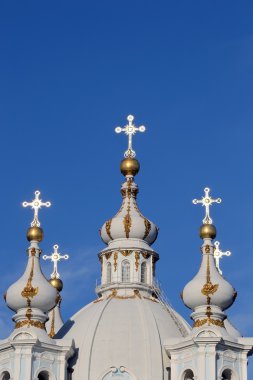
(218, 254)
(130, 129)
(36, 204)
(55, 257)
(207, 201)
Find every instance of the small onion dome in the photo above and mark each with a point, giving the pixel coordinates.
(220, 291)
(56, 283)
(129, 223)
(207, 231)
(129, 166)
(35, 233)
(32, 289)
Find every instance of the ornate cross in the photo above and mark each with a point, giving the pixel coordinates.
(36, 204)
(218, 254)
(207, 201)
(55, 258)
(130, 129)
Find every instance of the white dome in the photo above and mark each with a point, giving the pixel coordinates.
(122, 333)
(129, 221)
(32, 289)
(223, 295)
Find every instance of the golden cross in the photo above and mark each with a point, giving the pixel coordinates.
(36, 204)
(130, 129)
(55, 258)
(207, 201)
(218, 254)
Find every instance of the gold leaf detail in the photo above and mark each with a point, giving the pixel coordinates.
(127, 221)
(147, 228)
(29, 291)
(108, 255)
(115, 258)
(108, 228)
(137, 260)
(126, 252)
(28, 323)
(114, 294)
(52, 330)
(209, 288)
(209, 321)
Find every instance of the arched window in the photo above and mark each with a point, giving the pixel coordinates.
(109, 273)
(144, 272)
(125, 271)
(5, 376)
(43, 375)
(227, 374)
(188, 375)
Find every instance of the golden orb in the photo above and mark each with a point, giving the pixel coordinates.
(129, 166)
(56, 283)
(35, 233)
(207, 231)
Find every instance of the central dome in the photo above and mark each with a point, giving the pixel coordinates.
(129, 221)
(122, 332)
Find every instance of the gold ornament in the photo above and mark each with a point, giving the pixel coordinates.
(35, 233)
(129, 166)
(115, 258)
(56, 283)
(207, 231)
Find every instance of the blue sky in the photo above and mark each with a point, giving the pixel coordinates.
(72, 71)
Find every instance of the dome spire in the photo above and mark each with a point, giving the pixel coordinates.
(55, 321)
(31, 297)
(130, 129)
(208, 294)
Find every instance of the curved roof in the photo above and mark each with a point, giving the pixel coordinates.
(125, 333)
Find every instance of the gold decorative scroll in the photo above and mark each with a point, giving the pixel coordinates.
(29, 291)
(126, 252)
(208, 321)
(114, 294)
(127, 221)
(52, 330)
(108, 255)
(115, 259)
(108, 228)
(28, 323)
(147, 228)
(137, 260)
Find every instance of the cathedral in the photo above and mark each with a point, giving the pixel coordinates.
(130, 331)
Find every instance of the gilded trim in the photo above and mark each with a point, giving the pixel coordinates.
(108, 228)
(29, 291)
(137, 260)
(115, 259)
(147, 228)
(28, 323)
(52, 330)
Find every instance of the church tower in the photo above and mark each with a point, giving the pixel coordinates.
(29, 353)
(214, 350)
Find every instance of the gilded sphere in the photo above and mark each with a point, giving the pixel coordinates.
(129, 166)
(207, 231)
(35, 233)
(56, 283)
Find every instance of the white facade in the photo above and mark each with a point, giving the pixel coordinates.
(129, 332)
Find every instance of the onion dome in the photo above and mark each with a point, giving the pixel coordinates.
(208, 294)
(31, 297)
(129, 223)
(55, 321)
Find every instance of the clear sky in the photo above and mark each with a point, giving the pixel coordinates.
(70, 71)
